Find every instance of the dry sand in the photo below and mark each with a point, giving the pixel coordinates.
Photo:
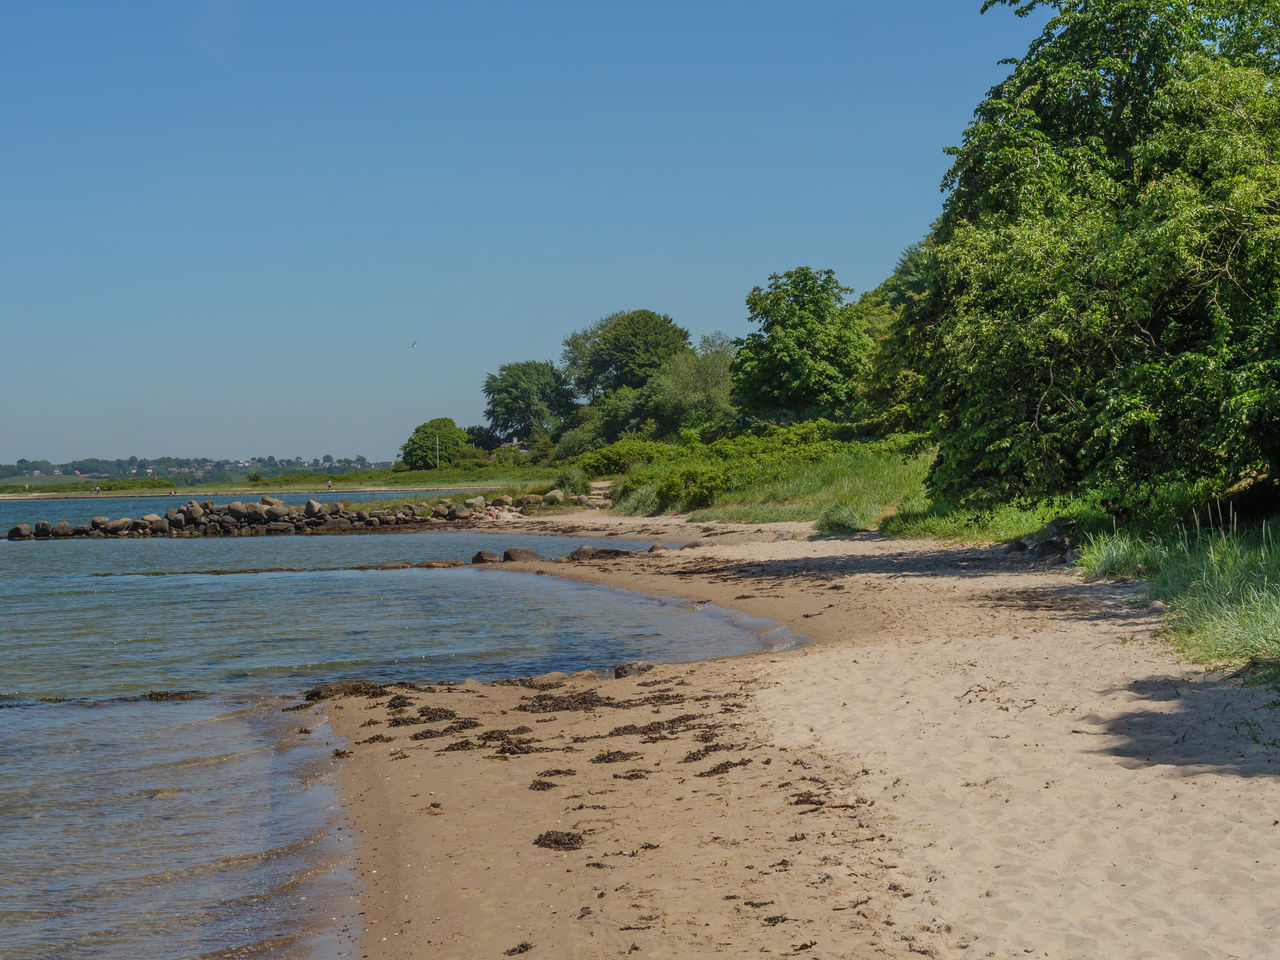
(975, 757)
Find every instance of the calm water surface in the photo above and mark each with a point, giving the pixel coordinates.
(157, 830)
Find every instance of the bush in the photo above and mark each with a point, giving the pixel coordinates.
(573, 481)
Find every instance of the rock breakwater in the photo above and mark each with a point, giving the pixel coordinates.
(270, 517)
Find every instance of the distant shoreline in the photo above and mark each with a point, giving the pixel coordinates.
(196, 494)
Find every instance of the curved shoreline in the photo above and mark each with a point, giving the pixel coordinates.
(976, 728)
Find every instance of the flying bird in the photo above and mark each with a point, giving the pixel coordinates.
(412, 345)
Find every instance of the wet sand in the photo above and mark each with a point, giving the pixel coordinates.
(975, 757)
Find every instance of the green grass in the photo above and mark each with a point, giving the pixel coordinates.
(1221, 583)
(844, 486)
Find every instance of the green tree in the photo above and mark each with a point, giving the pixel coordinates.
(623, 349)
(527, 398)
(811, 350)
(1103, 299)
(434, 443)
(694, 390)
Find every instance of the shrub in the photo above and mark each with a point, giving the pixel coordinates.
(573, 480)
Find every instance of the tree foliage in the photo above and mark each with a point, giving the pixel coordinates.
(623, 349)
(434, 443)
(1105, 279)
(811, 350)
(526, 398)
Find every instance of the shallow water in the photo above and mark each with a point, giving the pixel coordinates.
(166, 829)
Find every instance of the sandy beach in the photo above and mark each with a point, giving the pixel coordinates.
(973, 757)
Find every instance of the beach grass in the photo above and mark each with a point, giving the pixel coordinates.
(1221, 583)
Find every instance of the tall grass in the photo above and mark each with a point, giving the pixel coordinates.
(1221, 582)
(845, 487)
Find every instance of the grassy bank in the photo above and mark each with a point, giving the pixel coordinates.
(807, 472)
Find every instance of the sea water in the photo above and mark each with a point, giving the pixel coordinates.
(135, 825)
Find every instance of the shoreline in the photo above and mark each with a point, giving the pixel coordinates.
(971, 758)
(188, 494)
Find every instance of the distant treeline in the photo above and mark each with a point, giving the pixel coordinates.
(180, 471)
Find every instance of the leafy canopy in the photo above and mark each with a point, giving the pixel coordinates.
(526, 398)
(811, 349)
(1105, 279)
(623, 349)
(434, 443)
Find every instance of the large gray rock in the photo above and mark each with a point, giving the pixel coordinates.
(521, 555)
(440, 511)
(151, 518)
(475, 503)
(63, 529)
(271, 502)
(530, 500)
(237, 509)
(277, 512)
(119, 526)
(553, 496)
(313, 508)
(280, 527)
(193, 512)
(503, 501)
(160, 526)
(43, 530)
(99, 523)
(336, 524)
(486, 556)
(459, 513)
(20, 532)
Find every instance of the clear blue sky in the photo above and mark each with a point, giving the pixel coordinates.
(224, 222)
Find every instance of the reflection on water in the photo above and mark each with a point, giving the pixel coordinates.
(169, 829)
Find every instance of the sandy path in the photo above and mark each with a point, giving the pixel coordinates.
(1024, 778)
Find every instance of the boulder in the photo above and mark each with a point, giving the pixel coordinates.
(256, 513)
(117, 527)
(336, 524)
(276, 512)
(271, 502)
(84, 530)
(659, 548)
(151, 518)
(237, 509)
(583, 553)
(1053, 547)
(553, 496)
(43, 530)
(486, 556)
(521, 555)
(20, 532)
(279, 527)
(177, 521)
(440, 511)
(459, 513)
(62, 529)
(530, 500)
(99, 523)
(475, 503)
(160, 526)
(336, 509)
(313, 509)
(632, 668)
(503, 501)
